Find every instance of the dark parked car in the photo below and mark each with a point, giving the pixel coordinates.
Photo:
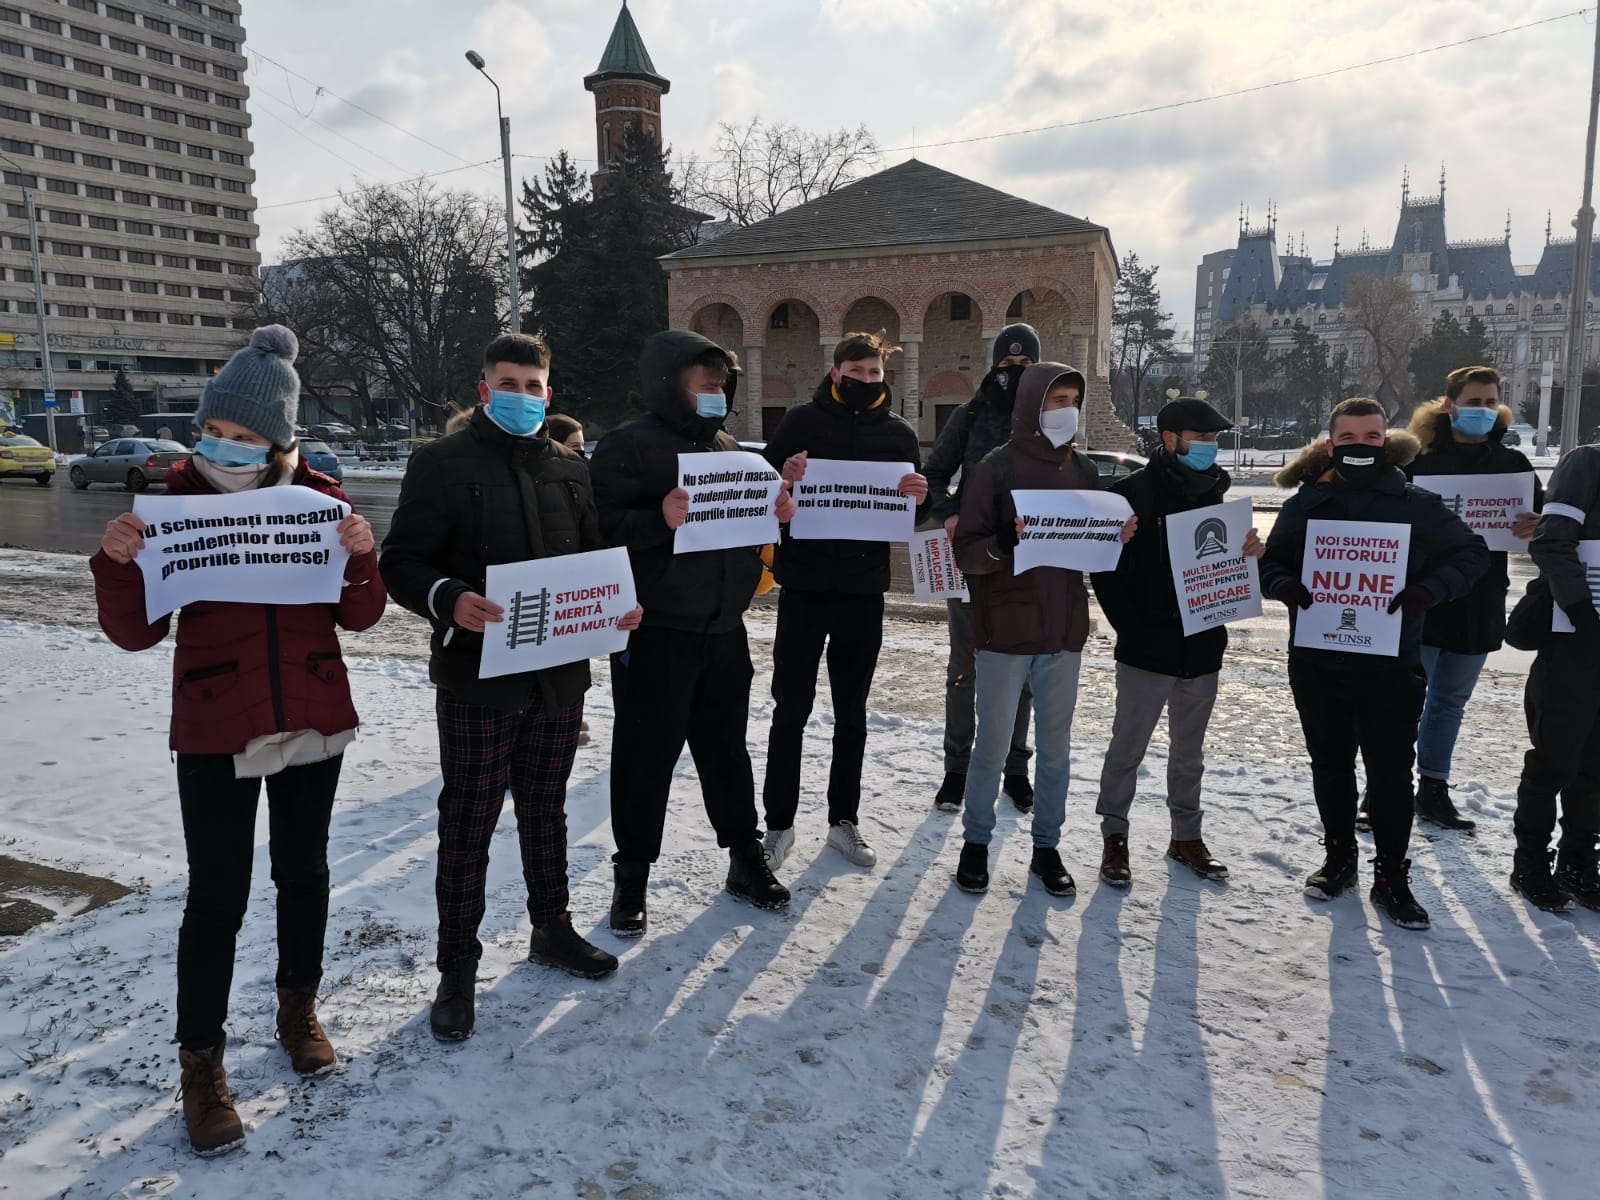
(135, 463)
(333, 431)
(320, 458)
(1114, 464)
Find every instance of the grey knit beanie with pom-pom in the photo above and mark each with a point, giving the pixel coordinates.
(258, 388)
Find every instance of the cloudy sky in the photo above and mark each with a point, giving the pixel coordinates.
(1505, 114)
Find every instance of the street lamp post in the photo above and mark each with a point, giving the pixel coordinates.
(512, 284)
(1578, 301)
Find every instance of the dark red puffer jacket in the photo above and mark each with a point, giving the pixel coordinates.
(244, 670)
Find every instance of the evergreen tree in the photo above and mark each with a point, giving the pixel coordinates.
(1140, 335)
(596, 290)
(1449, 345)
(124, 407)
(1309, 378)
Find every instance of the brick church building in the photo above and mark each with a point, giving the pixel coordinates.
(940, 262)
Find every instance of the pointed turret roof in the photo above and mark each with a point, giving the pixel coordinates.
(625, 56)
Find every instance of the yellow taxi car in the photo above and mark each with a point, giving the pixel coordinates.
(21, 457)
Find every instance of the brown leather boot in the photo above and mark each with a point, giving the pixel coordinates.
(1197, 858)
(214, 1126)
(301, 1033)
(1114, 868)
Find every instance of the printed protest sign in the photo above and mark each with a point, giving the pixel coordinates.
(1215, 581)
(558, 610)
(1489, 504)
(934, 574)
(731, 494)
(1076, 529)
(276, 545)
(1589, 556)
(1353, 570)
(853, 501)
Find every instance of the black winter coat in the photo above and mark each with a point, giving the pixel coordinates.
(1139, 598)
(825, 428)
(476, 498)
(973, 432)
(1476, 623)
(635, 466)
(1445, 556)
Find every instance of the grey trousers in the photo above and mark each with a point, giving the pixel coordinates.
(961, 701)
(1141, 696)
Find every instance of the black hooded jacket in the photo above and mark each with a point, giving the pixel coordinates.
(825, 428)
(1445, 557)
(1139, 598)
(973, 432)
(1476, 623)
(633, 469)
(475, 498)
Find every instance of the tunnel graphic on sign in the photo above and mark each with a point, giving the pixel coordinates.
(529, 619)
(1211, 538)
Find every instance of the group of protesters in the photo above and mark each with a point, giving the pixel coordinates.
(261, 692)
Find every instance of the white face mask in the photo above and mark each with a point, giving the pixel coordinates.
(1059, 425)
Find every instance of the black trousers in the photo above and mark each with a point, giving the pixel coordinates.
(851, 628)
(672, 688)
(1563, 706)
(219, 835)
(1375, 712)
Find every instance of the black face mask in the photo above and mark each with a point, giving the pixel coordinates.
(858, 395)
(1003, 382)
(1360, 466)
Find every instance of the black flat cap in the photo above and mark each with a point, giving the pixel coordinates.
(1188, 413)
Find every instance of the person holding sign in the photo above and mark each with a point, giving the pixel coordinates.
(686, 674)
(1461, 434)
(260, 692)
(1158, 667)
(497, 490)
(973, 432)
(1562, 766)
(1366, 701)
(832, 594)
(1029, 629)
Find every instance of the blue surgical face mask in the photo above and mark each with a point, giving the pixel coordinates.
(225, 452)
(710, 404)
(1201, 456)
(1474, 422)
(516, 412)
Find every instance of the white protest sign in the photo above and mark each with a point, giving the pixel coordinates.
(1589, 556)
(1215, 581)
(276, 545)
(1074, 528)
(934, 574)
(1489, 504)
(1353, 570)
(731, 496)
(853, 501)
(558, 610)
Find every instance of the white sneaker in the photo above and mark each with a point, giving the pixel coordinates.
(847, 840)
(776, 846)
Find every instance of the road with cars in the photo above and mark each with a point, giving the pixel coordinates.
(63, 519)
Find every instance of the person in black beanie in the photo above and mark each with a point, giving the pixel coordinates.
(1366, 702)
(1158, 667)
(832, 594)
(975, 429)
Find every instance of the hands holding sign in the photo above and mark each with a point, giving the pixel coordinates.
(1524, 526)
(123, 539)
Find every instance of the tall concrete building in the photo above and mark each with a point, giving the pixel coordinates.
(1210, 279)
(128, 123)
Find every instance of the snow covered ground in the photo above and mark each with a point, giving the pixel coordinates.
(890, 1037)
